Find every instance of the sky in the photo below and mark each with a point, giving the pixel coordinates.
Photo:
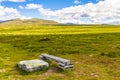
(63, 11)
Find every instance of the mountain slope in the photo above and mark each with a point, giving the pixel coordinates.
(30, 22)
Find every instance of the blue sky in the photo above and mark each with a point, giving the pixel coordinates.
(64, 11)
(52, 4)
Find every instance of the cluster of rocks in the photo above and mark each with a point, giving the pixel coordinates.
(33, 65)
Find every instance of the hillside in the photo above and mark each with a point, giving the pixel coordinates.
(29, 22)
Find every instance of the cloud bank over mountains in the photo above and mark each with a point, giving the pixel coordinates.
(7, 13)
(103, 12)
(10, 13)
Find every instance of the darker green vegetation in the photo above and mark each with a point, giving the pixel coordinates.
(103, 44)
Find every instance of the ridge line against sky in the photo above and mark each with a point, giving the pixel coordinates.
(63, 11)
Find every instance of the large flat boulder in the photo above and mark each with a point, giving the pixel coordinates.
(32, 65)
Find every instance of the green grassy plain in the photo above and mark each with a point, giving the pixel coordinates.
(94, 51)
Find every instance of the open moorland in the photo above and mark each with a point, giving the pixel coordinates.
(94, 51)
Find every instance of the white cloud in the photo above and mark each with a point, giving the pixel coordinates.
(107, 11)
(1, 0)
(13, 0)
(76, 1)
(33, 6)
(7, 13)
(21, 7)
(25, 18)
(17, 0)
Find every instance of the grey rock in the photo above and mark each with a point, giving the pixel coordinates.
(33, 65)
(63, 64)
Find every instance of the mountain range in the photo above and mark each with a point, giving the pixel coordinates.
(27, 22)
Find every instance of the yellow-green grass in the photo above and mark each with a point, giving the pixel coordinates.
(48, 30)
(94, 51)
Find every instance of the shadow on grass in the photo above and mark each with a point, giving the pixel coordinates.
(111, 54)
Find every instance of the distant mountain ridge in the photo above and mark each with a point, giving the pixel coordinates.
(1, 21)
(27, 22)
(4, 21)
